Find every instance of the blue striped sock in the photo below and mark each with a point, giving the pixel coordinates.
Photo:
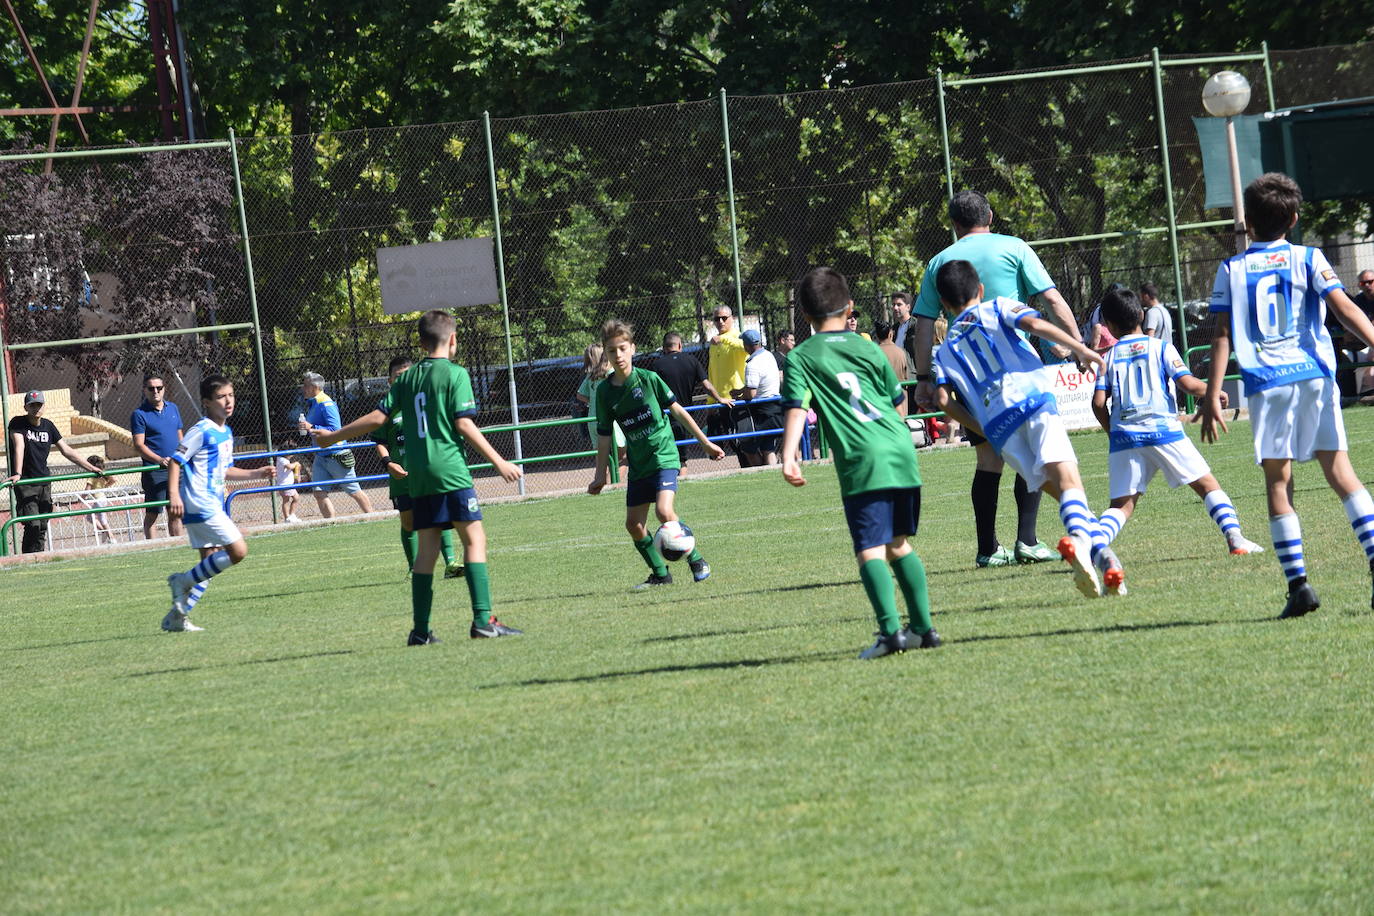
(1223, 513)
(1079, 520)
(194, 596)
(210, 566)
(1112, 521)
(1359, 508)
(1287, 535)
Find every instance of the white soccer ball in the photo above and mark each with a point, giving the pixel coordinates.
(674, 540)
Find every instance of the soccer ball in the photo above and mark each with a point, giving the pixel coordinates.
(674, 540)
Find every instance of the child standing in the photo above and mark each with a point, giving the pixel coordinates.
(636, 399)
(1270, 299)
(99, 521)
(436, 406)
(195, 493)
(996, 376)
(854, 391)
(1143, 425)
(288, 471)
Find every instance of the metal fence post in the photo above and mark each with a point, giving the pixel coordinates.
(252, 304)
(730, 195)
(944, 140)
(5, 407)
(505, 299)
(1269, 76)
(1169, 199)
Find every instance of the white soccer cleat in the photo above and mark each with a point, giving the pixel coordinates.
(1240, 546)
(177, 622)
(180, 590)
(1077, 552)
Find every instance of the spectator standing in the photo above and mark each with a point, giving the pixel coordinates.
(595, 368)
(761, 380)
(897, 358)
(288, 471)
(1364, 301)
(321, 413)
(156, 427)
(683, 374)
(1008, 267)
(851, 323)
(99, 522)
(1158, 322)
(724, 369)
(901, 317)
(32, 437)
(786, 341)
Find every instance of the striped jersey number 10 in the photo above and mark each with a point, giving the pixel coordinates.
(420, 419)
(865, 411)
(1134, 383)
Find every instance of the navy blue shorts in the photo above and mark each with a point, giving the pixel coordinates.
(876, 518)
(645, 489)
(402, 502)
(443, 509)
(154, 489)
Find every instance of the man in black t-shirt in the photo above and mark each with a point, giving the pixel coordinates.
(683, 374)
(32, 436)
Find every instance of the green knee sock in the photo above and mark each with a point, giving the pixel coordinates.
(421, 600)
(446, 545)
(409, 540)
(651, 556)
(911, 578)
(695, 556)
(878, 583)
(479, 590)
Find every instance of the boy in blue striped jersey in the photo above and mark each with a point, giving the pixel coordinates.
(1142, 422)
(195, 494)
(1272, 300)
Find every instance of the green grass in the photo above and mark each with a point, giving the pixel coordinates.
(704, 747)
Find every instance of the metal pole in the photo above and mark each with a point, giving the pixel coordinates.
(252, 304)
(117, 150)
(5, 405)
(1269, 76)
(142, 335)
(944, 141)
(1238, 202)
(1169, 200)
(730, 195)
(505, 300)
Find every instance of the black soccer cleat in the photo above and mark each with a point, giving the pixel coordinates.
(700, 571)
(1302, 599)
(422, 639)
(927, 640)
(492, 630)
(654, 580)
(891, 644)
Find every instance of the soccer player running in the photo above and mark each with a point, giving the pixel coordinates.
(436, 408)
(203, 460)
(851, 386)
(1143, 425)
(1270, 300)
(999, 382)
(390, 440)
(636, 399)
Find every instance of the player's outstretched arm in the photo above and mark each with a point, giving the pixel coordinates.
(1055, 334)
(1351, 316)
(713, 451)
(468, 430)
(1210, 407)
(266, 472)
(792, 428)
(359, 427)
(603, 460)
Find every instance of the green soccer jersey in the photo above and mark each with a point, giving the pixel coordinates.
(428, 400)
(638, 406)
(851, 386)
(391, 435)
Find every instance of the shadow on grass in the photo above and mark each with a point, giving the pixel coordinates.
(332, 588)
(1109, 628)
(249, 661)
(75, 642)
(674, 669)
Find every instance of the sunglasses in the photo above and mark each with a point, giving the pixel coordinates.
(156, 387)
(721, 318)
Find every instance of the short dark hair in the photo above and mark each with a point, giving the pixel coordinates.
(615, 329)
(211, 384)
(1149, 289)
(1121, 309)
(823, 293)
(957, 282)
(434, 327)
(672, 339)
(150, 376)
(970, 209)
(397, 362)
(882, 330)
(902, 295)
(785, 332)
(1271, 202)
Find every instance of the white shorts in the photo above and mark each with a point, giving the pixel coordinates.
(1132, 469)
(216, 531)
(1295, 421)
(1039, 441)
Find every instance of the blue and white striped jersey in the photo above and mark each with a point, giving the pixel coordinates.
(996, 372)
(205, 453)
(1274, 294)
(1139, 378)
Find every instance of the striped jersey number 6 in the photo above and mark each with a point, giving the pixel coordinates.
(420, 418)
(1271, 308)
(865, 411)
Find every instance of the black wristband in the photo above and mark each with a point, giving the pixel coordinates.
(923, 376)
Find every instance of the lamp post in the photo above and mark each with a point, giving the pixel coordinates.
(1225, 95)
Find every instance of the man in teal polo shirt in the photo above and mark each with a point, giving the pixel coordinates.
(1008, 267)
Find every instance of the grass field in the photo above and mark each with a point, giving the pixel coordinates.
(704, 747)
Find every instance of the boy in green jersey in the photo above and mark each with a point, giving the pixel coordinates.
(636, 399)
(851, 386)
(390, 439)
(436, 406)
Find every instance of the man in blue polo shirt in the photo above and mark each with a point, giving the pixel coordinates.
(156, 426)
(330, 464)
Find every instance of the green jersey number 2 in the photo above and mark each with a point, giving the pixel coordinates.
(865, 411)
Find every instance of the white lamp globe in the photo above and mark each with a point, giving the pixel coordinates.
(1226, 94)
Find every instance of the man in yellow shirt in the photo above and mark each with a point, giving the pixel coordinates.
(725, 370)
